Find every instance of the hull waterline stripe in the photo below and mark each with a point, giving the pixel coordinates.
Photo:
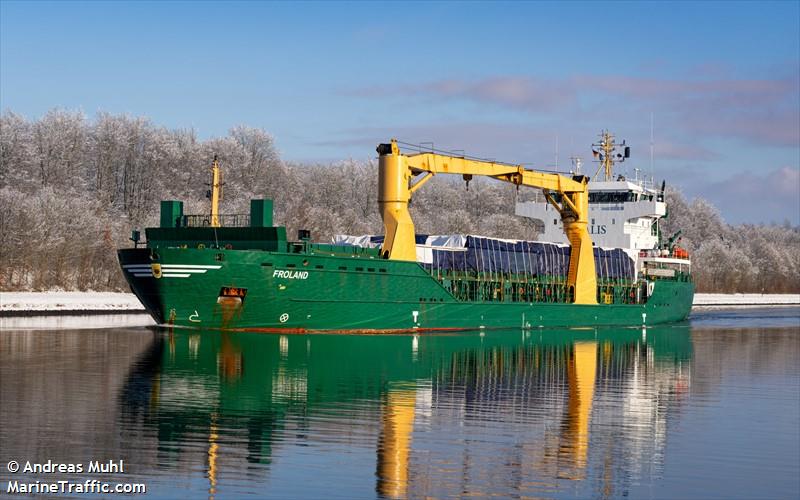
(165, 275)
(188, 266)
(182, 270)
(191, 271)
(171, 266)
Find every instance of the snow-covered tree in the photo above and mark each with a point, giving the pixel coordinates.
(72, 189)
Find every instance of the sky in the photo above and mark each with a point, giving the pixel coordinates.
(523, 82)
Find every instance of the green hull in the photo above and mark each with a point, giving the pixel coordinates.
(302, 292)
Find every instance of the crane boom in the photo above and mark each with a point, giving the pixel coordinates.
(569, 195)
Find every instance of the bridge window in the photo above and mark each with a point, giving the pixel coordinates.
(612, 197)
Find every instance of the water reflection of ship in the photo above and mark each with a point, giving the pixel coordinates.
(554, 384)
(563, 387)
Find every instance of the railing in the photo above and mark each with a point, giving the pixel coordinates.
(204, 220)
(676, 253)
(505, 287)
(622, 292)
(481, 287)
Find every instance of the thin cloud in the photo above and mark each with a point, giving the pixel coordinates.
(530, 94)
(681, 151)
(526, 93)
(764, 112)
(750, 197)
(503, 142)
(760, 111)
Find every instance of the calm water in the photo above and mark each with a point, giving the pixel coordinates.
(710, 409)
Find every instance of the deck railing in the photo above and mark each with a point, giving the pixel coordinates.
(509, 287)
(226, 220)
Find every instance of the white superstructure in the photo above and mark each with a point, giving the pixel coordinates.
(622, 214)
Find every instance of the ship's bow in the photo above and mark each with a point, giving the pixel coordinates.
(139, 273)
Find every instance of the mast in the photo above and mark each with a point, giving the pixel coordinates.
(216, 192)
(605, 150)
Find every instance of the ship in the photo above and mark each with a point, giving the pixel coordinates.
(239, 272)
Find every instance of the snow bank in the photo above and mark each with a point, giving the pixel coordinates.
(68, 301)
(745, 299)
(80, 322)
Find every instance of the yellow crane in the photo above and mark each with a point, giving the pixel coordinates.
(400, 175)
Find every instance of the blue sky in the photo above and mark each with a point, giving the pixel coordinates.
(503, 80)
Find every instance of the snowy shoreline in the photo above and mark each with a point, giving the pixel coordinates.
(745, 299)
(63, 303)
(49, 303)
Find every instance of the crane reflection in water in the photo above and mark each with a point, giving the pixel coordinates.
(517, 412)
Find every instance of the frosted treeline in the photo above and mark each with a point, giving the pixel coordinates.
(742, 258)
(71, 190)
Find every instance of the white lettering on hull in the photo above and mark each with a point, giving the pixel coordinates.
(290, 275)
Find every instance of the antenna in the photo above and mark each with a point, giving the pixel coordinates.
(652, 149)
(556, 152)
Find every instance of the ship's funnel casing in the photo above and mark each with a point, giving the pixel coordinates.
(171, 213)
(261, 213)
